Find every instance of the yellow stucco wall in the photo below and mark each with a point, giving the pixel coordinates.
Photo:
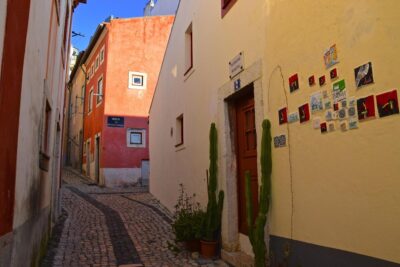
(345, 184)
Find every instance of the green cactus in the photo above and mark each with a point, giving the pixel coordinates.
(212, 222)
(256, 228)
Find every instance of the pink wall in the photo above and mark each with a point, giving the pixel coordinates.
(136, 44)
(116, 154)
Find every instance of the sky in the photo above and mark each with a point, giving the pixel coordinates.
(88, 16)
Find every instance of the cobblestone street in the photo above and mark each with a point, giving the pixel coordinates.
(112, 227)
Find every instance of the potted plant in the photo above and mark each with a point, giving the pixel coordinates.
(188, 218)
(212, 218)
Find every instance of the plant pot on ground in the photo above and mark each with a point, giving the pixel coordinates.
(188, 219)
(192, 245)
(208, 249)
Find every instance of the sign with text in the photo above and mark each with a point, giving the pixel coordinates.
(236, 65)
(116, 122)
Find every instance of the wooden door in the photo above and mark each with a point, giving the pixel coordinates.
(246, 149)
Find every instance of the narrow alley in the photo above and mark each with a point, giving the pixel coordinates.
(229, 133)
(113, 227)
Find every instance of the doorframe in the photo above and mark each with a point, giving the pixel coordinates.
(231, 239)
(87, 149)
(97, 142)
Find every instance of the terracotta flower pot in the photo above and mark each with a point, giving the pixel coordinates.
(208, 249)
(192, 245)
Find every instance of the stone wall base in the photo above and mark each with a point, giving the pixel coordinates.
(237, 259)
(25, 245)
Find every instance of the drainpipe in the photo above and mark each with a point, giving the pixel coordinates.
(83, 119)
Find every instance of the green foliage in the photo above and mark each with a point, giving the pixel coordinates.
(188, 217)
(256, 228)
(173, 248)
(212, 221)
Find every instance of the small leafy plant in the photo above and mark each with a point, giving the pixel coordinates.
(188, 217)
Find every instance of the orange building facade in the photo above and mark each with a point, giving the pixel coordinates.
(122, 64)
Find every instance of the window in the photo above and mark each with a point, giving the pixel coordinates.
(102, 55)
(99, 90)
(92, 70)
(83, 93)
(97, 63)
(84, 148)
(179, 130)
(70, 110)
(66, 28)
(44, 156)
(46, 137)
(226, 5)
(137, 80)
(91, 100)
(76, 104)
(136, 138)
(188, 49)
(58, 4)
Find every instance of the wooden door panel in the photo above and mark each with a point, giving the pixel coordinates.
(246, 144)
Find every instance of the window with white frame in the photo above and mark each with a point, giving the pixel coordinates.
(137, 80)
(102, 55)
(91, 100)
(136, 138)
(97, 63)
(99, 97)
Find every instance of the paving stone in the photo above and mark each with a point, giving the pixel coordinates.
(101, 226)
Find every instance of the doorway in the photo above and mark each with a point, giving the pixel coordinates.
(246, 155)
(97, 159)
(145, 172)
(88, 158)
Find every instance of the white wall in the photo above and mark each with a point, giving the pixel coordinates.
(33, 186)
(165, 7)
(216, 41)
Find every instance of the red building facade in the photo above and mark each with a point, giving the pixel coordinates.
(122, 65)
